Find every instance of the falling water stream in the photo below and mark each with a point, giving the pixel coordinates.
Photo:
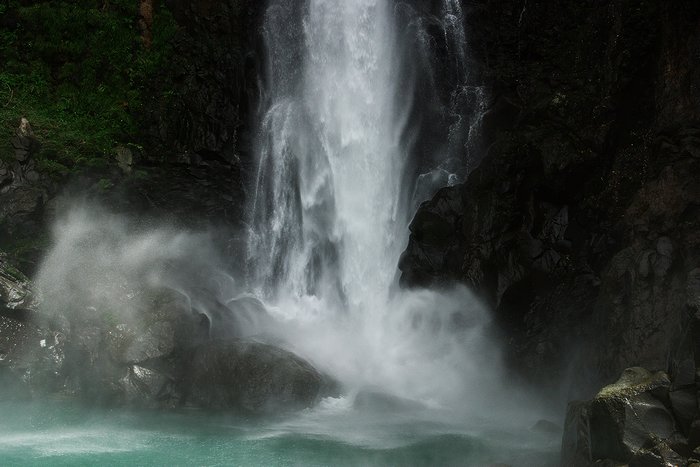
(330, 205)
(330, 211)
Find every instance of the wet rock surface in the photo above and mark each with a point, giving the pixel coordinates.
(16, 295)
(580, 226)
(633, 421)
(251, 377)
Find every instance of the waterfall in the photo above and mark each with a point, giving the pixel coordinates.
(330, 209)
(454, 99)
(327, 212)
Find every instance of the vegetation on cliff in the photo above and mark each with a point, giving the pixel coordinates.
(81, 75)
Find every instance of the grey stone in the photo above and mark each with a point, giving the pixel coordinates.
(158, 341)
(32, 176)
(660, 455)
(685, 406)
(621, 423)
(251, 377)
(576, 448)
(146, 387)
(125, 159)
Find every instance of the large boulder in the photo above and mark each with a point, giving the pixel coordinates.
(632, 421)
(251, 377)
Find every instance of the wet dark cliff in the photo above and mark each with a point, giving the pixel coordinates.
(580, 227)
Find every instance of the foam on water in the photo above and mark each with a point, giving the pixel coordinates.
(68, 435)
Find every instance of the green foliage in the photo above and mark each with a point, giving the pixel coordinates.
(48, 165)
(78, 72)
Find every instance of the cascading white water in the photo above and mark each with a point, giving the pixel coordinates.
(329, 216)
(455, 97)
(328, 210)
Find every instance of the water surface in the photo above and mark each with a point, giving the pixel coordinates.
(62, 433)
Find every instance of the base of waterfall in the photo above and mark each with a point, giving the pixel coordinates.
(56, 432)
(165, 355)
(239, 375)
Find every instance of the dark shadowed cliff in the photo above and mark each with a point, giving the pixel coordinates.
(581, 225)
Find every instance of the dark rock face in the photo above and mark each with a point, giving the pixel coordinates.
(15, 289)
(433, 254)
(23, 191)
(197, 195)
(633, 421)
(199, 140)
(190, 193)
(213, 78)
(581, 224)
